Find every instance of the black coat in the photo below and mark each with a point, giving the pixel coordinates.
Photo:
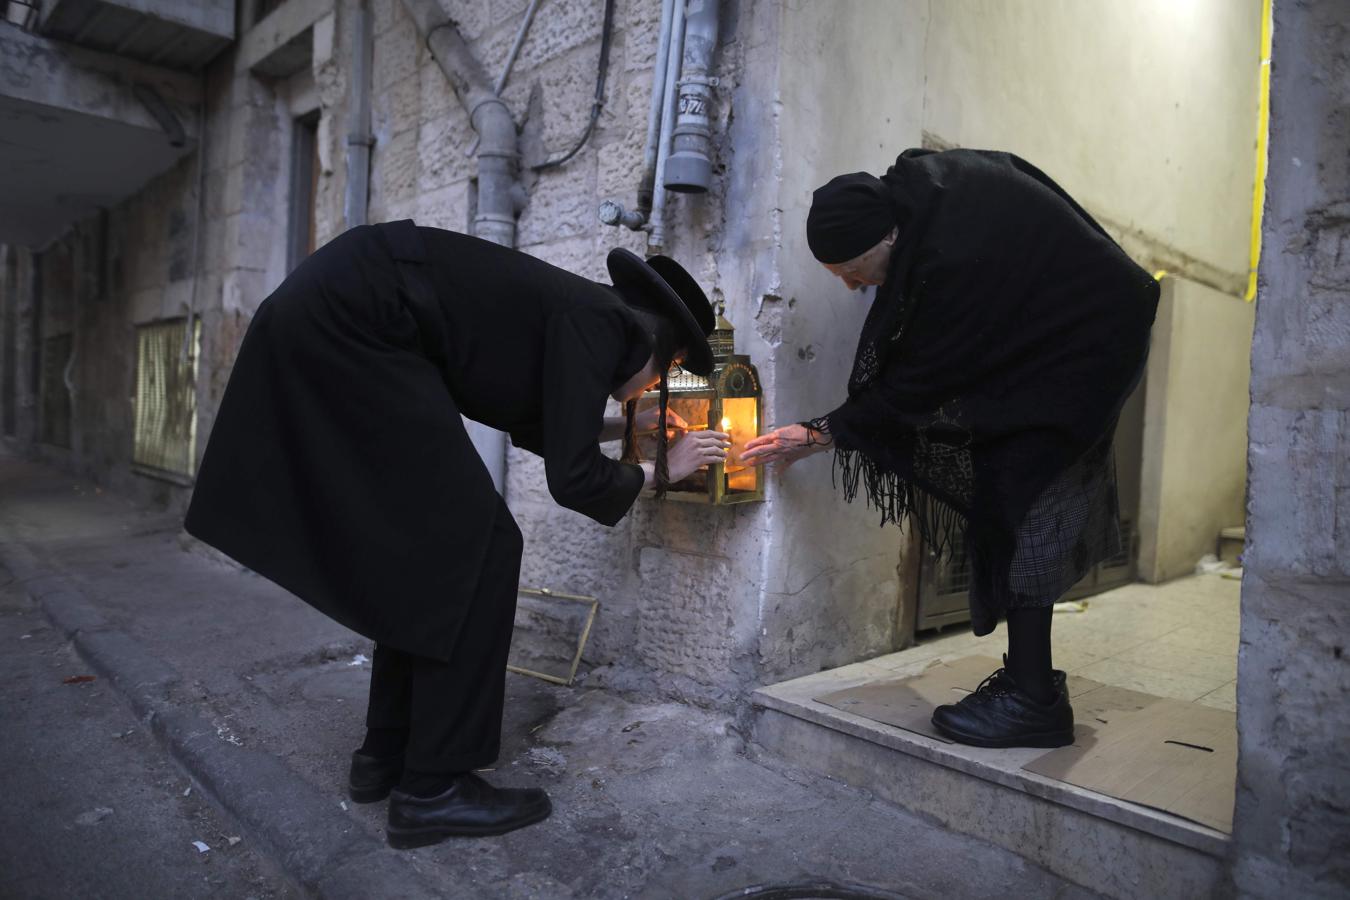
(339, 467)
(990, 373)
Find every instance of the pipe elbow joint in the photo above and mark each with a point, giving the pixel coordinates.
(613, 213)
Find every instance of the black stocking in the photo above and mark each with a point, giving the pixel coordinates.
(1029, 661)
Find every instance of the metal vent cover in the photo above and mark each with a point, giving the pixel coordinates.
(165, 433)
(954, 574)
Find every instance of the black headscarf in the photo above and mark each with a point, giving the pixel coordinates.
(850, 214)
(991, 370)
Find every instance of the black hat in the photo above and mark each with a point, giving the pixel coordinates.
(850, 214)
(660, 285)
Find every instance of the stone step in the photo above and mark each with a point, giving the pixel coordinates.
(1117, 848)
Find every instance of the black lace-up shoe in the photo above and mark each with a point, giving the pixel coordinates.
(999, 714)
(372, 777)
(469, 808)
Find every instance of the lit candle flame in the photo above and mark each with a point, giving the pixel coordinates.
(726, 424)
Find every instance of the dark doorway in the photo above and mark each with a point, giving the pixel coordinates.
(304, 189)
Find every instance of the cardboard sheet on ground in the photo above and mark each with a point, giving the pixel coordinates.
(1177, 757)
(908, 702)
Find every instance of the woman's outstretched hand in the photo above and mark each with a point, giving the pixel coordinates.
(784, 446)
(694, 451)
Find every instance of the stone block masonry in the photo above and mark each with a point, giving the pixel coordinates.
(1292, 831)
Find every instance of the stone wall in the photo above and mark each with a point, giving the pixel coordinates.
(851, 99)
(1292, 834)
(136, 262)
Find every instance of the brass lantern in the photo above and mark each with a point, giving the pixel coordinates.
(727, 400)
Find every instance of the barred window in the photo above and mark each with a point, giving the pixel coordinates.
(54, 416)
(165, 435)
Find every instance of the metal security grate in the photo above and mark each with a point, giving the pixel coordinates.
(165, 434)
(54, 421)
(954, 573)
(1126, 554)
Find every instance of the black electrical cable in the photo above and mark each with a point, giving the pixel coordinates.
(606, 37)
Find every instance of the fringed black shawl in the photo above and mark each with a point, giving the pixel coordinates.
(990, 372)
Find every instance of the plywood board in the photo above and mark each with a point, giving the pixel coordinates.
(1177, 757)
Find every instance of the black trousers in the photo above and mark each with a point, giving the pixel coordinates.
(453, 711)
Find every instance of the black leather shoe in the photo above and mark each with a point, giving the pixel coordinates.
(372, 777)
(999, 714)
(469, 808)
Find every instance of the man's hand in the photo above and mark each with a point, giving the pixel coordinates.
(650, 419)
(784, 446)
(694, 451)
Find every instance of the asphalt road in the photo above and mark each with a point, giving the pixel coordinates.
(92, 806)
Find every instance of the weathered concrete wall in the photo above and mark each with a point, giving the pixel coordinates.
(138, 267)
(1292, 831)
(680, 585)
(1195, 427)
(64, 101)
(850, 96)
(1146, 112)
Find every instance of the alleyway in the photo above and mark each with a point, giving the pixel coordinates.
(210, 677)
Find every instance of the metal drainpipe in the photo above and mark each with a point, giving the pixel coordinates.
(359, 138)
(500, 194)
(689, 168)
(656, 235)
(612, 211)
(654, 117)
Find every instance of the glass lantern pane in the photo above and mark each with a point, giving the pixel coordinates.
(740, 419)
(695, 412)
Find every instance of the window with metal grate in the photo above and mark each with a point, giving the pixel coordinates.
(1126, 555)
(165, 434)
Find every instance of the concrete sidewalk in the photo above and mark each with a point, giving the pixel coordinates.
(261, 700)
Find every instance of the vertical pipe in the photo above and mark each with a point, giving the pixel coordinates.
(654, 117)
(500, 195)
(498, 172)
(359, 138)
(656, 237)
(197, 227)
(515, 47)
(611, 211)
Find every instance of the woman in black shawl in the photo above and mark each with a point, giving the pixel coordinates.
(1006, 333)
(339, 468)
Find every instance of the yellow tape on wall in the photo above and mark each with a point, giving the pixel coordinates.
(1262, 131)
